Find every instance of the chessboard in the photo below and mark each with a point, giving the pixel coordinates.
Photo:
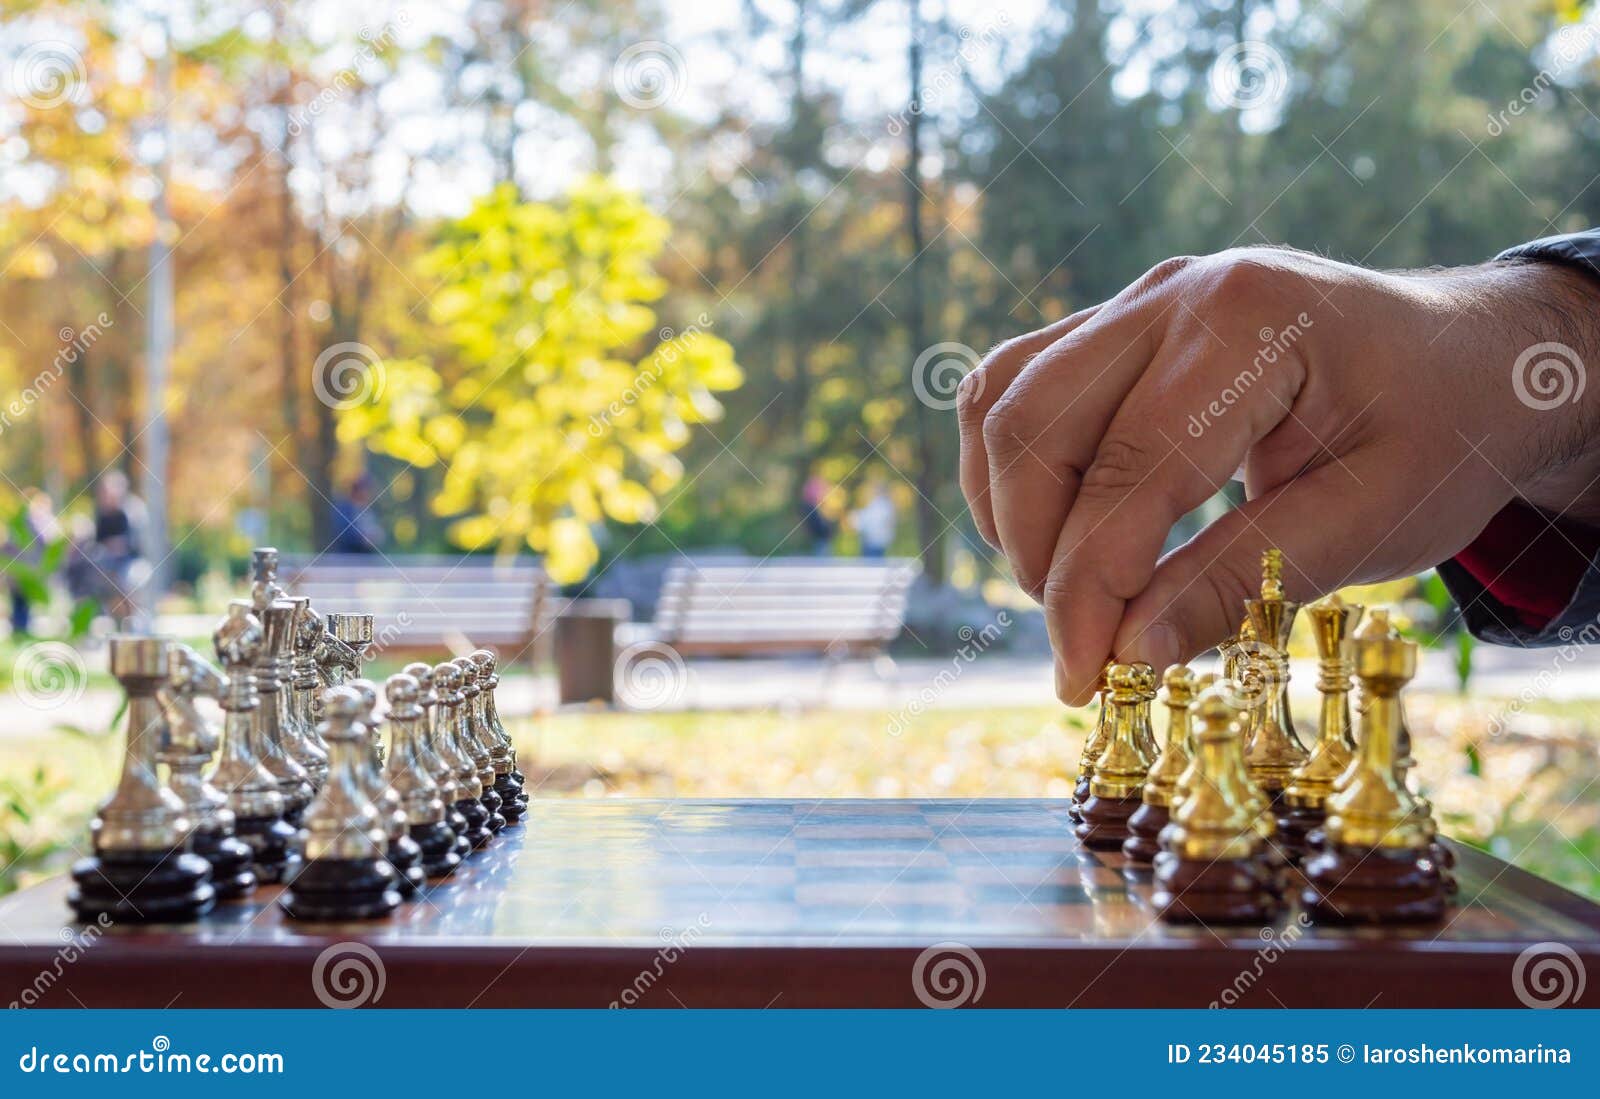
(809, 903)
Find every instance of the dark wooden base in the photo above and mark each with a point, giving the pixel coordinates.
(405, 856)
(274, 846)
(1080, 794)
(495, 820)
(1213, 892)
(477, 819)
(513, 802)
(1349, 886)
(142, 887)
(1445, 860)
(460, 828)
(1104, 823)
(342, 889)
(1295, 825)
(230, 859)
(1144, 827)
(437, 842)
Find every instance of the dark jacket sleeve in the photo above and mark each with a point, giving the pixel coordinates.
(1568, 611)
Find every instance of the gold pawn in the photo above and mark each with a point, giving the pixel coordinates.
(1217, 819)
(1096, 743)
(1146, 676)
(1373, 808)
(1120, 769)
(1331, 620)
(1161, 785)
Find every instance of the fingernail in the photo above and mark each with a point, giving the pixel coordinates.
(1061, 682)
(1157, 645)
(971, 387)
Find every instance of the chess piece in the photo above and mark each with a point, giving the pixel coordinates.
(447, 742)
(276, 744)
(304, 684)
(1145, 675)
(1092, 747)
(252, 791)
(508, 781)
(191, 740)
(1161, 784)
(1273, 750)
(1212, 872)
(1119, 772)
(409, 773)
(143, 868)
(1375, 865)
(444, 775)
(474, 741)
(403, 852)
(346, 875)
(1305, 800)
(354, 632)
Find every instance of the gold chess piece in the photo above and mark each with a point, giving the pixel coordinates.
(1146, 677)
(1375, 865)
(1274, 750)
(1161, 784)
(1305, 799)
(1092, 747)
(1212, 870)
(1119, 771)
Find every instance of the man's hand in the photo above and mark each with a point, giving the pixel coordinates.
(1380, 421)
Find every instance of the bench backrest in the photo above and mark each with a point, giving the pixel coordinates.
(784, 604)
(433, 602)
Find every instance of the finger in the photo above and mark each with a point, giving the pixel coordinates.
(977, 394)
(1155, 464)
(1320, 521)
(1042, 433)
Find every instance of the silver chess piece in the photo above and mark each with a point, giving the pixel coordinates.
(409, 773)
(347, 873)
(252, 790)
(443, 774)
(143, 867)
(354, 631)
(298, 686)
(191, 741)
(278, 749)
(475, 739)
(508, 781)
(447, 733)
(403, 853)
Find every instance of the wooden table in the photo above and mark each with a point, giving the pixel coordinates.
(794, 904)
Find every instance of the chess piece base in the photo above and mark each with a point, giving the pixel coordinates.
(495, 820)
(1212, 892)
(1080, 794)
(1296, 824)
(405, 856)
(477, 833)
(437, 842)
(1349, 886)
(230, 859)
(142, 887)
(1144, 828)
(459, 826)
(1104, 826)
(274, 846)
(342, 889)
(513, 802)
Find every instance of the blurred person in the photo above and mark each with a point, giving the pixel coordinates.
(817, 525)
(875, 521)
(355, 528)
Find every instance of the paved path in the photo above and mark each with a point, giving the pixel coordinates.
(909, 687)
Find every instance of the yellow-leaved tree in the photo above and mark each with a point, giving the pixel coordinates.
(529, 392)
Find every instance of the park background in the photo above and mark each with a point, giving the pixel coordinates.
(617, 283)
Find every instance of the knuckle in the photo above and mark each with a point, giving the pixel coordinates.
(1008, 428)
(1237, 277)
(1165, 271)
(1119, 465)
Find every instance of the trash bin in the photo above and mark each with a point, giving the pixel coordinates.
(586, 648)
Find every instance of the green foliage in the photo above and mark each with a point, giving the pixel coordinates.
(544, 415)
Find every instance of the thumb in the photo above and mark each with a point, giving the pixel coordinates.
(1196, 598)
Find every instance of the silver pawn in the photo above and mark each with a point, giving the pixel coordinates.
(409, 773)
